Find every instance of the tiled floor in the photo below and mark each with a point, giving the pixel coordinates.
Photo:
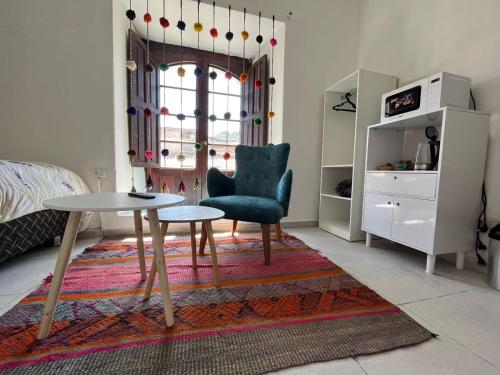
(455, 304)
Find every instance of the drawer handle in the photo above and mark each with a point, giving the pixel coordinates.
(397, 204)
(388, 202)
(395, 177)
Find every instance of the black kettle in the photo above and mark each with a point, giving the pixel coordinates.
(432, 135)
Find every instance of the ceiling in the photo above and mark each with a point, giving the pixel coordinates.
(172, 33)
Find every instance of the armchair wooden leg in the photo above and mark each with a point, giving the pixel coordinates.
(203, 239)
(235, 224)
(266, 242)
(278, 232)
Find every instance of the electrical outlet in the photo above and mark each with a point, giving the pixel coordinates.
(101, 173)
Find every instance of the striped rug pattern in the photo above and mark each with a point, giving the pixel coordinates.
(257, 319)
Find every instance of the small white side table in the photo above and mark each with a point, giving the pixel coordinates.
(108, 202)
(191, 215)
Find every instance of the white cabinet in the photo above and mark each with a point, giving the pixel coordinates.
(432, 211)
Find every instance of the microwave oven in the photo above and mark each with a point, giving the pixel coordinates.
(425, 96)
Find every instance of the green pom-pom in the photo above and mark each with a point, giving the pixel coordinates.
(198, 147)
(258, 121)
(212, 118)
(163, 66)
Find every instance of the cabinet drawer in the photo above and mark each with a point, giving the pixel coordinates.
(412, 184)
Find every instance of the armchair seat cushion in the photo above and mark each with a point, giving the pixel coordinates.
(247, 208)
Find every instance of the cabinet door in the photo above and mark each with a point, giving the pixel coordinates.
(413, 222)
(377, 214)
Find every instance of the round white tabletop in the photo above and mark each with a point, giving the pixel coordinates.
(186, 214)
(109, 202)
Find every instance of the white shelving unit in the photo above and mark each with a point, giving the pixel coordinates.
(344, 146)
(432, 211)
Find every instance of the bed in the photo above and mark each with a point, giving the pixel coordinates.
(24, 222)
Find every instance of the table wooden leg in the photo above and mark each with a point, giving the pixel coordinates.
(62, 263)
(161, 266)
(192, 225)
(213, 250)
(152, 270)
(140, 243)
(203, 239)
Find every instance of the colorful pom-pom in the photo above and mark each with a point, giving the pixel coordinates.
(130, 14)
(164, 111)
(148, 68)
(181, 117)
(196, 184)
(272, 81)
(181, 72)
(271, 114)
(198, 112)
(198, 27)
(164, 22)
(229, 36)
(259, 39)
(243, 113)
(131, 111)
(214, 33)
(181, 25)
(213, 74)
(182, 188)
(131, 153)
(148, 112)
(198, 71)
(227, 116)
(149, 154)
(244, 35)
(180, 158)
(273, 42)
(148, 18)
(257, 121)
(198, 147)
(258, 83)
(165, 152)
(228, 74)
(243, 77)
(212, 118)
(212, 152)
(131, 65)
(226, 156)
(163, 66)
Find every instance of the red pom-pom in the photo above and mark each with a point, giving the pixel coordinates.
(228, 74)
(148, 112)
(258, 84)
(148, 18)
(149, 154)
(164, 111)
(273, 42)
(214, 33)
(164, 22)
(226, 156)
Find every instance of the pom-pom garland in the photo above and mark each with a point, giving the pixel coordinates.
(226, 156)
(271, 114)
(258, 83)
(148, 112)
(228, 74)
(181, 72)
(148, 18)
(273, 42)
(131, 153)
(148, 68)
(165, 152)
(131, 111)
(198, 27)
(212, 152)
(163, 67)
(227, 116)
(243, 113)
(212, 118)
(214, 33)
(257, 121)
(149, 154)
(198, 147)
(259, 39)
(164, 22)
(272, 81)
(180, 158)
(243, 77)
(181, 117)
(198, 71)
(244, 35)
(229, 36)
(164, 111)
(198, 112)
(213, 74)
(181, 25)
(131, 65)
(130, 14)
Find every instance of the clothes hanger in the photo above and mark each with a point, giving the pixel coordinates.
(338, 107)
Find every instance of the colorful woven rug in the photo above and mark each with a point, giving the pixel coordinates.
(301, 309)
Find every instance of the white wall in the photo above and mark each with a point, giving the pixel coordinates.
(412, 39)
(56, 80)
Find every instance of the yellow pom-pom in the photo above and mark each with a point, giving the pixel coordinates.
(198, 27)
(271, 114)
(181, 72)
(131, 65)
(181, 158)
(244, 35)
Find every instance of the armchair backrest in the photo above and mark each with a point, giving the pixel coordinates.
(259, 169)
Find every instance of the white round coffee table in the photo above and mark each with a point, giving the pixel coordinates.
(191, 215)
(109, 202)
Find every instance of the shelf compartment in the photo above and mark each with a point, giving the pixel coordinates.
(334, 216)
(331, 177)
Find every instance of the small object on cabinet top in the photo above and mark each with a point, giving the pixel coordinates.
(141, 195)
(385, 167)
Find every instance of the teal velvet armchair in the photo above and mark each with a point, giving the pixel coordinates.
(259, 191)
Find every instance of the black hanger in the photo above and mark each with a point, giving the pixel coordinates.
(338, 107)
